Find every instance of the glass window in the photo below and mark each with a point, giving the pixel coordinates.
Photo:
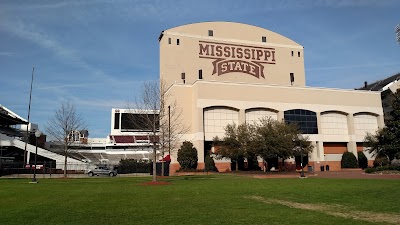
(210, 33)
(305, 119)
(116, 120)
(264, 39)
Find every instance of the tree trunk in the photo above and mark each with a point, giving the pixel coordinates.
(65, 163)
(237, 165)
(162, 154)
(162, 167)
(154, 162)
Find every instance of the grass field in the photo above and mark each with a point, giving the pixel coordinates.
(212, 199)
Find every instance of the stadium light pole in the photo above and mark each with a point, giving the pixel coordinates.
(397, 29)
(37, 135)
(29, 112)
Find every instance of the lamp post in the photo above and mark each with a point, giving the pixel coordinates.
(300, 138)
(37, 135)
(301, 161)
(169, 131)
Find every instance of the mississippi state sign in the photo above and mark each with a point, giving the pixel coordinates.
(237, 58)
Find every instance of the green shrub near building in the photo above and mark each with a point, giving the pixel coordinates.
(349, 160)
(362, 160)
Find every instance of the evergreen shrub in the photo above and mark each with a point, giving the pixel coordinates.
(349, 160)
(187, 156)
(362, 160)
(209, 163)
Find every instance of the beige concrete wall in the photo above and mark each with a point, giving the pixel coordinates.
(248, 96)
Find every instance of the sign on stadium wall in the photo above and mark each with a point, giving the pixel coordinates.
(237, 58)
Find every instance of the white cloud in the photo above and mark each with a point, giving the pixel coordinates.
(68, 55)
(7, 53)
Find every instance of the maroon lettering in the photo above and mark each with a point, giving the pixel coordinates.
(267, 54)
(237, 58)
(239, 53)
(247, 53)
(203, 49)
(259, 54)
(227, 53)
(218, 51)
(212, 50)
(227, 66)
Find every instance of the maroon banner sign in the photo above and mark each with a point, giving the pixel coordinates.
(237, 58)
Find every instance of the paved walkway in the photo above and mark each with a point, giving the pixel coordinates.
(354, 174)
(349, 174)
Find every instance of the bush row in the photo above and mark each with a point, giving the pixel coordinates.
(381, 168)
(349, 160)
(133, 166)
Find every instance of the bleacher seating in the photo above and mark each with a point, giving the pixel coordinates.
(115, 158)
(76, 155)
(10, 131)
(141, 138)
(119, 139)
(91, 157)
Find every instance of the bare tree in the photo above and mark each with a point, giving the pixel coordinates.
(158, 112)
(62, 125)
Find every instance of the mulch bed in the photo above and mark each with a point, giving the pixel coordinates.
(155, 183)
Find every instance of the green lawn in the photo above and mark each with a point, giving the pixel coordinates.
(212, 199)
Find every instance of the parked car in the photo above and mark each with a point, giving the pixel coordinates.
(102, 170)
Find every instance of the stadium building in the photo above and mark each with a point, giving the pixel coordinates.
(223, 72)
(127, 140)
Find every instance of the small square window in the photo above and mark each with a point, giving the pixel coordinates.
(292, 53)
(210, 33)
(264, 39)
(298, 54)
(177, 41)
(169, 40)
(200, 74)
(183, 76)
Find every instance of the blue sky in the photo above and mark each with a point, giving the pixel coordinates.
(97, 53)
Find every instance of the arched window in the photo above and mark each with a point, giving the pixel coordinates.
(305, 119)
(256, 114)
(217, 118)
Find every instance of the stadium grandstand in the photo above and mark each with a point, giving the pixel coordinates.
(124, 142)
(13, 130)
(127, 140)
